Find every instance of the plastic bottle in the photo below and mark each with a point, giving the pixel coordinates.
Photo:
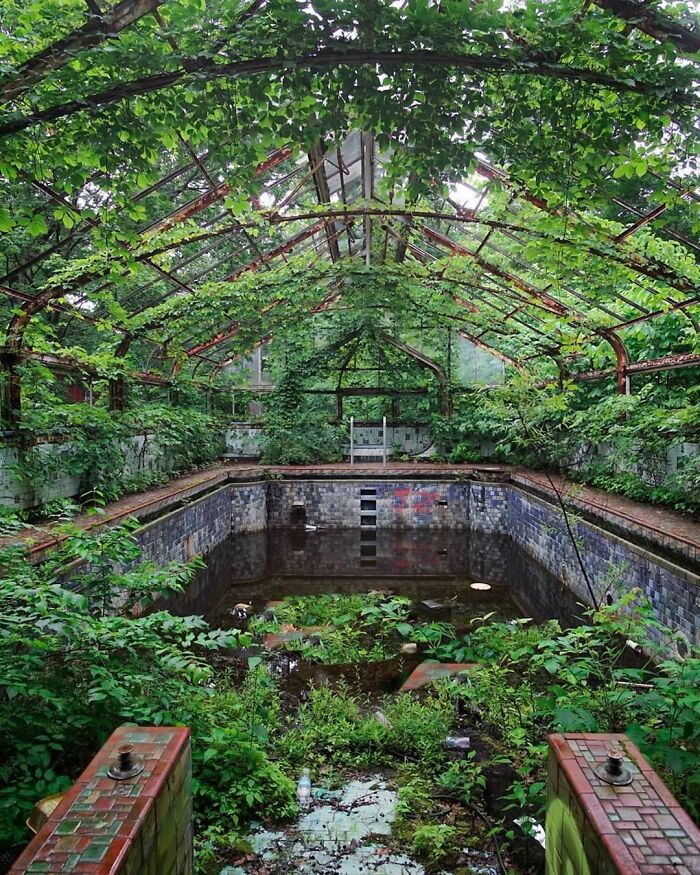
(304, 788)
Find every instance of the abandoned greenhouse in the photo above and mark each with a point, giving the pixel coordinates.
(350, 450)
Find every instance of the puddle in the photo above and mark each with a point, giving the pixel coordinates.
(343, 832)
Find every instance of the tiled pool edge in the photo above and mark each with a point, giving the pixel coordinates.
(595, 828)
(138, 826)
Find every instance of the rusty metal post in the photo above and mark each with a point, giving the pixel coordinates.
(11, 389)
(622, 360)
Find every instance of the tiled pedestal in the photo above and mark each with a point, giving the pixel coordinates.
(139, 826)
(595, 828)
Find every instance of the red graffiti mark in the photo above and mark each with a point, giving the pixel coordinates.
(401, 497)
(424, 501)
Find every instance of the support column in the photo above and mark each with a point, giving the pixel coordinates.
(11, 390)
(117, 394)
(622, 360)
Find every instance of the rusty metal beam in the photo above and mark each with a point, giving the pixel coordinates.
(640, 223)
(327, 302)
(282, 249)
(19, 321)
(317, 165)
(647, 266)
(652, 21)
(648, 366)
(188, 210)
(552, 304)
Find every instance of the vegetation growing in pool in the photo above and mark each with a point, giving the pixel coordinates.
(76, 663)
(340, 629)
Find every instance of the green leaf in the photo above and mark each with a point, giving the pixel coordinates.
(6, 221)
(37, 226)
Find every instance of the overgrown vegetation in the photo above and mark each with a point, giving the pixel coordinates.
(366, 627)
(615, 442)
(102, 454)
(531, 680)
(78, 656)
(75, 662)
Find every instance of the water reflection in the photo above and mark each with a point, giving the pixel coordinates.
(426, 566)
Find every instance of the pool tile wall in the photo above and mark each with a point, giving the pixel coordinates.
(249, 507)
(399, 504)
(206, 522)
(536, 525)
(612, 564)
(477, 506)
(189, 531)
(139, 826)
(595, 828)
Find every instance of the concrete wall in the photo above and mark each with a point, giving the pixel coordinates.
(244, 439)
(140, 456)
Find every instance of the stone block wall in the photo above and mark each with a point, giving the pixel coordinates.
(139, 826)
(595, 828)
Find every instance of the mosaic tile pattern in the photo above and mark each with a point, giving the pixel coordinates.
(141, 826)
(594, 827)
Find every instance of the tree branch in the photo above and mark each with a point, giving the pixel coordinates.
(654, 23)
(95, 31)
(211, 68)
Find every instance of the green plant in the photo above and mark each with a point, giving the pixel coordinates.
(363, 627)
(235, 780)
(434, 841)
(464, 779)
(533, 680)
(75, 661)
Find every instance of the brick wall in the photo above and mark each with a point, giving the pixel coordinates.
(139, 826)
(595, 828)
